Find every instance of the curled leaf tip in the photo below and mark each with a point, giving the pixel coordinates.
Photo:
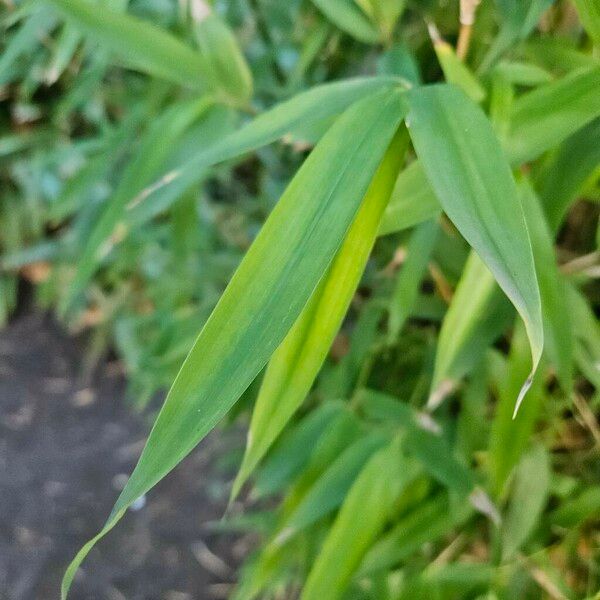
(524, 389)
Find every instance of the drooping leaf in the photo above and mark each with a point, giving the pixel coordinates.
(142, 45)
(471, 177)
(296, 363)
(267, 293)
(558, 332)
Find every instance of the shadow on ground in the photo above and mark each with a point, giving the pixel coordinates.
(65, 451)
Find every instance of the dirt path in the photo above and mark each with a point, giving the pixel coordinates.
(64, 453)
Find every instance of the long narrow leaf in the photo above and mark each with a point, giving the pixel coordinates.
(267, 293)
(141, 44)
(296, 363)
(467, 168)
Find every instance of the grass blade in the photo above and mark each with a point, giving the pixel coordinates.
(372, 497)
(528, 498)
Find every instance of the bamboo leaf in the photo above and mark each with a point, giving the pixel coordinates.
(467, 169)
(426, 523)
(547, 115)
(455, 71)
(295, 447)
(313, 106)
(519, 17)
(331, 488)
(412, 201)
(141, 44)
(296, 363)
(576, 160)
(267, 293)
(557, 324)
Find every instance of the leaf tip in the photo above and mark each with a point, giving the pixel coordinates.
(524, 389)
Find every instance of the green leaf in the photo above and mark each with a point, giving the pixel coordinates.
(469, 173)
(383, 12)
(295, 448)
(331, 488)
(478, 314)
(268, 291)
(572, 513)
(225, 63)
(372, 497)
(404, 296)
(519, 17)
(142, 45)
(547, 115)
(349, 18)
(313, 106)
(426, 523)
(557, 324)
(456, 72)
(529, 494)
(574, 163)
(589, 13)
(412, 202)
(296, 363)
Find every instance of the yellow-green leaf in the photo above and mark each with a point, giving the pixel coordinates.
(296, 363)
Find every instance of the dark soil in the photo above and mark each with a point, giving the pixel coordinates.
(66, 448)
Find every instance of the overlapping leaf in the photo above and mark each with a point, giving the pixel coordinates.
(268, 291)
(296, 363)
